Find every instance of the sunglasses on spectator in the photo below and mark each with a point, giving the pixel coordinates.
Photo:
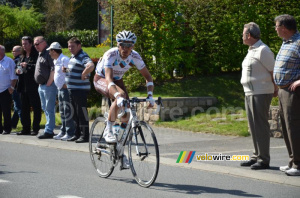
(36, 44)
(126, 45)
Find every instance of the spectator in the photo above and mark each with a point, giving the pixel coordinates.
(78, 84)
(17, 52)
(287, 78)
(28, 88)
(259, 88)
(44, 76)
(61, 64)
(8, 81)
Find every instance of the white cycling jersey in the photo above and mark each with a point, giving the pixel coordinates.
(111, 59)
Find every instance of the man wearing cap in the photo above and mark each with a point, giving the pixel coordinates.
(60, 67)
(44, 76)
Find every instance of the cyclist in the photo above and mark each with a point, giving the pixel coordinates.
(108, 78)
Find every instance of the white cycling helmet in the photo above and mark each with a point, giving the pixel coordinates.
(126, 36)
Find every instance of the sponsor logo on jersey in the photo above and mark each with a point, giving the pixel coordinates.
(131, 63)
(122, 64)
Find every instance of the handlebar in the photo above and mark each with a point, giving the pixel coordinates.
(136, 100)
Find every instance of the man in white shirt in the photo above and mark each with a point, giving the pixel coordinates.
(259, 88)
(8, 81)
(60, 67)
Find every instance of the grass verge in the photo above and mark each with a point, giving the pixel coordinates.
(228, 117)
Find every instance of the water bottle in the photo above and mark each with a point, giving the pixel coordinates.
(116, 129)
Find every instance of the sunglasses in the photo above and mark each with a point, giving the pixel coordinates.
(36, 44)
(126, 45)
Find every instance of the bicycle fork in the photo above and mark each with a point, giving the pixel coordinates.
(135, 134)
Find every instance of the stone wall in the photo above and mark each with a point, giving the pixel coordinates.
(180, 107)
(174, 108)
(274, 121)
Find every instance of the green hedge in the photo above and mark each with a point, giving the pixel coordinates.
(88, 38)
(195, 36)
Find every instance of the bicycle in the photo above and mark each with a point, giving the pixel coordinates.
(142, 146)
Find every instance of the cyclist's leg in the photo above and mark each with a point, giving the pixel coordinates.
(121, 84)
(125, 163)
(100, 85)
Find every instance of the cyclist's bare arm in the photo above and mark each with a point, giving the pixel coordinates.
(148, 78)
(149, 82)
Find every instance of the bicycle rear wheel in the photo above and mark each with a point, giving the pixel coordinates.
(143, 155)
(100, 152)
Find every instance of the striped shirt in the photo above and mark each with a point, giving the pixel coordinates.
(287, 65)
(77, 65)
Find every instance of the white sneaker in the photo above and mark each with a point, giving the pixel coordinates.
(65, 137)
(284, 168)
(59, 136)
(293, 172)
(109, 136)
(126, 164)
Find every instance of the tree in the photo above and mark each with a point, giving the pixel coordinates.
(60, 14)
(17, 21)
(205, 35)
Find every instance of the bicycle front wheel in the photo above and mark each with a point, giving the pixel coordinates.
(100, 152)
(143, 155)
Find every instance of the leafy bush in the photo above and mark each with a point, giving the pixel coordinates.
(16, 22)
(196, 36)
(88, 38)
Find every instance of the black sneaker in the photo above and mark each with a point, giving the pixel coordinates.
(45, 136)
(248, 163)
(23, 133)
(259, 166)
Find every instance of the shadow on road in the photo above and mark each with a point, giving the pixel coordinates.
(188, 189)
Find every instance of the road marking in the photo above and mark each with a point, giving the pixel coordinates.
(3, 181)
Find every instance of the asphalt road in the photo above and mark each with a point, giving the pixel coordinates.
(39, 171)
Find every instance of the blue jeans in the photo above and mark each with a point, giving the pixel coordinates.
(17, 109)
(48, 99)
(66, 112)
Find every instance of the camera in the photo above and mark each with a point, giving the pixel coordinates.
(19, 69)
